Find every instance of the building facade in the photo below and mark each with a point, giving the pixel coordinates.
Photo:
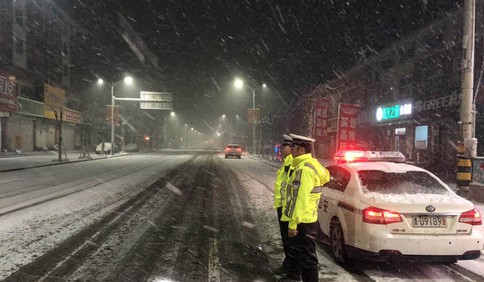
(36, 39)
(408, 96)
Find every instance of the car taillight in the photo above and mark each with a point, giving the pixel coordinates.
(239, 150)
(472, 217)
(227, 149)
(380, 216)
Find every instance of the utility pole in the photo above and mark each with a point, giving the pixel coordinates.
(467, 148)
(113, 99)
(254, 125)
(272, 120)
(58, 118)
(60, 135)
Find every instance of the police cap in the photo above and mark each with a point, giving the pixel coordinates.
(302, 141)
(287, 140)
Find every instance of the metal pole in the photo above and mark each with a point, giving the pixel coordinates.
(254, 126)
(467, 69)
(464, 165)
(261, 147)
(1, 136)
(112, 119)
(272, 120)
(60, 135)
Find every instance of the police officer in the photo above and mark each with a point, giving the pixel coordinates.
(279, 196)
(301, 208)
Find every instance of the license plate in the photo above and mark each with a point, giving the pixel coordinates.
(429, 221)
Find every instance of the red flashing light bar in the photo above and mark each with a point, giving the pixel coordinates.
(348, 156)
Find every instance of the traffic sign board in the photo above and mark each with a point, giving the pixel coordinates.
(156, 100)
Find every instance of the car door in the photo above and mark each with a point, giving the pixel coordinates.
(333, 192)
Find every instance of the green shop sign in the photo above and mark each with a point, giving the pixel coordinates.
(393, 112)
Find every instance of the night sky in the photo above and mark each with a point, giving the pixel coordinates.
(202, 45)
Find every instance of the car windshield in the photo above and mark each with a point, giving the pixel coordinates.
(410, 182)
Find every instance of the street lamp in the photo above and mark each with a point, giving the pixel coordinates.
(128, 80)
(239, 84)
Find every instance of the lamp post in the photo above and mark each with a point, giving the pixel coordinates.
(230, 126)
(185, 141)
(172, 129)
(128, 80)
(239, 84)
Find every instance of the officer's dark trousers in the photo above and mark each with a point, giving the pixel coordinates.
(303, 249)
(283, 225)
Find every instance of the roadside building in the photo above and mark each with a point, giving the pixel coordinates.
(407, 97)
(36, 39)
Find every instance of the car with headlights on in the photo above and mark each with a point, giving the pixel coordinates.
(378, 207)
(233, 150)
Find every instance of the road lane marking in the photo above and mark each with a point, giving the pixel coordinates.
(213, 262)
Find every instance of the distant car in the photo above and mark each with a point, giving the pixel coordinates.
(107, 148)
(388, 210)
(131, 147)
(233, 150)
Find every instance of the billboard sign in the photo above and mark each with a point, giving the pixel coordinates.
(396, 111)
(54, 100)
(116, 115)
(347, 115)
(73, 116)
(321, 118)
(8, 93)
(253, 116)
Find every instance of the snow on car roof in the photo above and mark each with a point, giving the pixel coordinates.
(384, 166)
(417, 198)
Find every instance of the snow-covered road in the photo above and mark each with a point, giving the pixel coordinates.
(44, 206)
(185, 217)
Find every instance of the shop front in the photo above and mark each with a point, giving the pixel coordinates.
(8, 103)
(424, 131)
(35, 127)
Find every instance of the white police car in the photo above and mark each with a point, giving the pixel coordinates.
(391, 210)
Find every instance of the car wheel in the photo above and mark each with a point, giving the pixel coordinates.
(337, 239)
(225, 156)
(239, 157)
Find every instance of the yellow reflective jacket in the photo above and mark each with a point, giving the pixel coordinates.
(281, 181)
(304, 191)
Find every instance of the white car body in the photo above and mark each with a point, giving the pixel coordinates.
(107, 148)
(441, 235)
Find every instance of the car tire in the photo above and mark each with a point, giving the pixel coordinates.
(225, 156)
(337, 239)
(239, 157)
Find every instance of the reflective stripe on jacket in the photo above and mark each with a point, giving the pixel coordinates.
(281, 181)
(304, 191)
